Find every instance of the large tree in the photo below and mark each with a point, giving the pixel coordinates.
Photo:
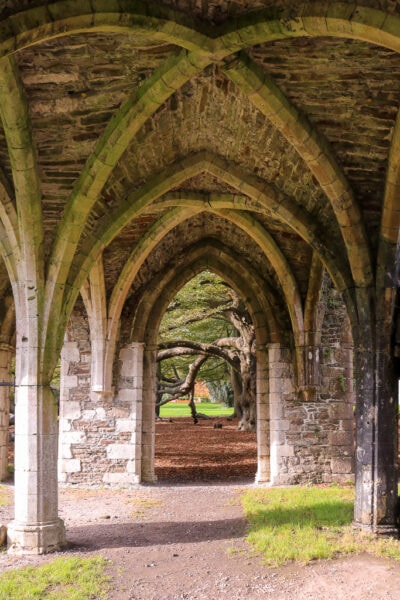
(207, 334)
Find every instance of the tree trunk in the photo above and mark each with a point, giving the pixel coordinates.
(248, 397)
(237, 393)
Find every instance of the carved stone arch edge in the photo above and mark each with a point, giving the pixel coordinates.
(212, 256)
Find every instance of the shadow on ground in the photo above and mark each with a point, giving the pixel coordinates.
(92, 538)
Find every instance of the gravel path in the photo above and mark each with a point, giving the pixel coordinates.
(187, 542)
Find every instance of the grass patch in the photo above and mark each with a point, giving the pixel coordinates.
(179, 409)
(306, 523)
(61, 579)
(4, 495)
(144, 504)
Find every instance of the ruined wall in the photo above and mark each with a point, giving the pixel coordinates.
(316, 437)
(96, 428)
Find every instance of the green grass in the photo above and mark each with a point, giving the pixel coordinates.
(306, 523)
(207, 408)
(61, 579)
(4, 495)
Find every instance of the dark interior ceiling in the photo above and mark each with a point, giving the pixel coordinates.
(79, 85)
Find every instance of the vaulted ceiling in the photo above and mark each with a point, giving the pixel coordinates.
(136, 129)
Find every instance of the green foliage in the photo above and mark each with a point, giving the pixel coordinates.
(307, 523)
(61, 579)
(182, 410)
(196, 314)
(342, 383)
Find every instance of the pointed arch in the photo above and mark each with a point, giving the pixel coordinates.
(136, 259)
(125, 124)
(207, 255)
(273, 201)
(314, 150)
(254, 230)
(94, 298)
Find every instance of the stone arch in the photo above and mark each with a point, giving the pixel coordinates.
(208, 255)
(266, 195)
(333, 19)
(153, 24)
(21, 231)
(104, 325)
(159, 230)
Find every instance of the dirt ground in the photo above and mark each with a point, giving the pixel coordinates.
(184, 537)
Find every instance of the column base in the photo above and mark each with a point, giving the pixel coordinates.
(378, 530)
(36, 539)
(262, 479)
(149, 478)
(386, 531)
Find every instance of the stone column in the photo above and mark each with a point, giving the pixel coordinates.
(279, 386)
(149, 427)
(6, 352)
(376, 454)
(263, 424)
(36, 528)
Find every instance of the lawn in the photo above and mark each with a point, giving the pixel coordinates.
(61, 579)
(306, 523)
(4, 495)
(181, 409)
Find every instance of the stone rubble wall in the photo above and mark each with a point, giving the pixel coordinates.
(317, 434)
(96, 428)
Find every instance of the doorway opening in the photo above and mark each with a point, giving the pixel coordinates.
(206, 386)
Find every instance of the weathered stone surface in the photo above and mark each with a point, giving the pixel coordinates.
(133, 135)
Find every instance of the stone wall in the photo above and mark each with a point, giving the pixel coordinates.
(311, 435)
(97, 429)
(316, 435)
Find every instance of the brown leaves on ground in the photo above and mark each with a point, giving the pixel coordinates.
(189, 453)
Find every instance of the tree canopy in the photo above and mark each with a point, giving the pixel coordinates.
(206, 334)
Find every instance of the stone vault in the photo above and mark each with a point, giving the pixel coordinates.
(141, 142)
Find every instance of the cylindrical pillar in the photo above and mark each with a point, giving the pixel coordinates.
(36, 528)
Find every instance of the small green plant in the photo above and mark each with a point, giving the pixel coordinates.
(333, 303)
(4, 495)
(143, 504)
(342, 382)
(306, 523)
(61, 579)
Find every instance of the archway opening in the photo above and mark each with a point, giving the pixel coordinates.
(206, 385)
